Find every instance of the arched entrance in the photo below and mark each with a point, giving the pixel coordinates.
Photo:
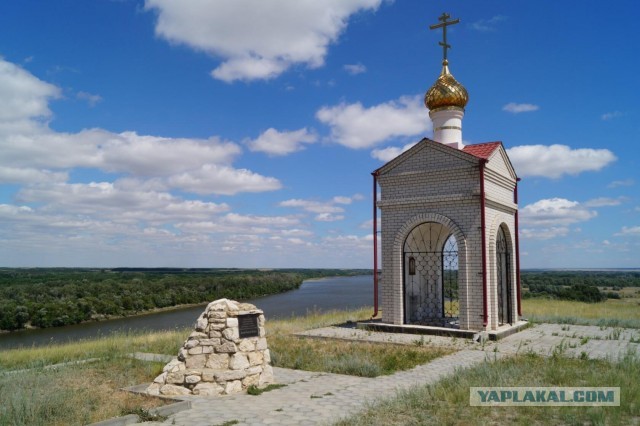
(503, 274)
(430, 262)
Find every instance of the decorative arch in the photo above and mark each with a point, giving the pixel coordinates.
(502, 273)
(409, 225)
(398, 258)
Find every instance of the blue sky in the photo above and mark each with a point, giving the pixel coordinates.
(218, 133)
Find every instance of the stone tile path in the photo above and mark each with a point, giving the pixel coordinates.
(322, 398)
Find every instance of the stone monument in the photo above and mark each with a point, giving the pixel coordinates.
(225, 354)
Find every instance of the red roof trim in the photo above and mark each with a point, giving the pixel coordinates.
(482, 150)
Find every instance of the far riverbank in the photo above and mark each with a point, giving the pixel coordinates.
(322, 295)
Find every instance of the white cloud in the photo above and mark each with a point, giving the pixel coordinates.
(248, 68)
(156, 156)
(355, 69)
(515, 108)
(629, 231)
(619, 183)
(388, 154)
(328, 217)
(605, 202)
(216, 179)
(355, 126)
(296, 232)
(338, 199)
(274, 142)
(256, 39)
(104, 218)
(485, 25)
(544, 233)
(32, 152)
(326, 210)
(611, 115)
(23, 95)
(29, 175)
(555, 211)
(278, 221)
(200, 163)
(106, 200)
(8, 210)
(312, 206)
(239, 230)
(90, 98)
(368, 224)
(133, 212)
(123, 220)
(556, 160)
(296, 241)
(344, 243)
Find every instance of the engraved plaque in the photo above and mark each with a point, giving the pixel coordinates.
(248, 325)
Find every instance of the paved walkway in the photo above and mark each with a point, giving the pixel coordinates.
(323, 398)
(543, 339)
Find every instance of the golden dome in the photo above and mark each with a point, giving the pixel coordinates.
(446, 92)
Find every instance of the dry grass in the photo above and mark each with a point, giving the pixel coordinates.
(86, 393)
(315, 319)
(341, 357)
(612, 312)
(452, 307)
(112, 346)
(75, 395)
(353, 358)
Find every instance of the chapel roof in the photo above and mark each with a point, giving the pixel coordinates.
(482, 150)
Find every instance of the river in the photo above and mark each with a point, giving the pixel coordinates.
(317, 294)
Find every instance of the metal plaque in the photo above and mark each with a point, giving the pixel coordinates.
(248, 325)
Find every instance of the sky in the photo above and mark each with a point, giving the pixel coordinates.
(243, 133)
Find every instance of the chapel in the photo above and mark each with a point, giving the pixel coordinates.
(449, 225)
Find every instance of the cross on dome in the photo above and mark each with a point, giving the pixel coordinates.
(446, 92)
(446, 98)
(444, 24)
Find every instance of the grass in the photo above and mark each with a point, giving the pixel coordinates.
(84, 393)
(353, 358)
(447, 401)
(315, 319)
(143, 415)
(75, 395)
(166, 342)
(81, 393)
(610, 313)
(336, 356)
(254, 390)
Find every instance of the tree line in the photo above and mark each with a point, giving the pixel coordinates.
(58, 296)
(583, 286)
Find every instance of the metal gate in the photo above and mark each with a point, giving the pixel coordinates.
(431, 276)
(450, 299)
(503, 272)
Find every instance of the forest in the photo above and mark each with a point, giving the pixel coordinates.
(583, 286)
(52, 297)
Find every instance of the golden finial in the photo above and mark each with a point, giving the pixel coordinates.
(446, 92)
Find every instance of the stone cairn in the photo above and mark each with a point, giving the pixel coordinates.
(215, 359)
